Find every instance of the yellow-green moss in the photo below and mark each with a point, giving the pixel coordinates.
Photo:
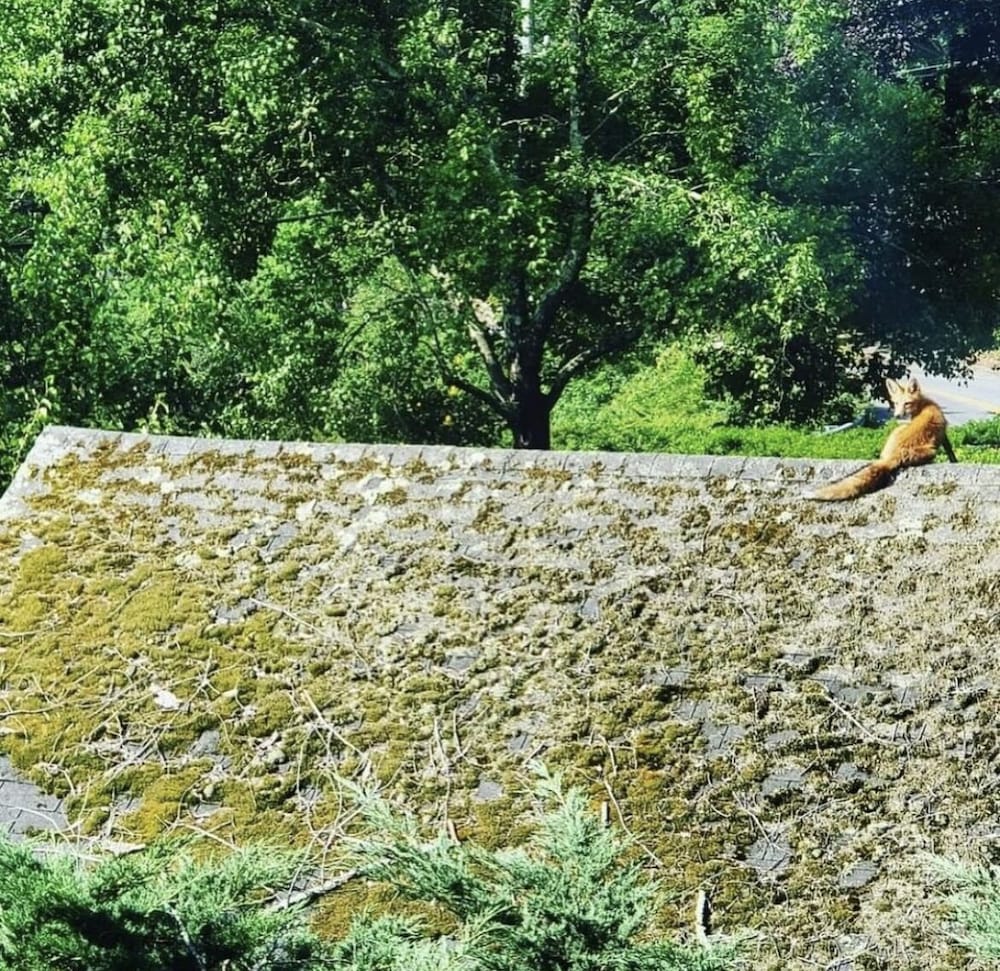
(163, 799)
(346, 672)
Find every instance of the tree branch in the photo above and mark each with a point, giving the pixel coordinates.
(484, 323)
(578, 246)
(309, 894)
(305, 216)
(196, 955)
(573, 262)
(492, 400)
(574, 365)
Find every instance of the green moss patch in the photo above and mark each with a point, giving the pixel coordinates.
(766, 692)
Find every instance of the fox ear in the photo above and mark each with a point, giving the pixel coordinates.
(892, 387)
(913, 387)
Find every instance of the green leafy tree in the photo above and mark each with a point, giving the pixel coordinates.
(148, 154)
(842, 205)
(408, 220)
(932, 222)
(812, 229)
(158, 153)
(506, 185)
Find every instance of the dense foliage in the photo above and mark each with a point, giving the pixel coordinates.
(566, 901)
(150, 911)
(418, 221)
(664, 409)
(974, 899)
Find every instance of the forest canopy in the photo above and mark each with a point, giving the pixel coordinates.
(421, 221)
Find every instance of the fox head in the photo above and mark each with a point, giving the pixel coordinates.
(906, 399)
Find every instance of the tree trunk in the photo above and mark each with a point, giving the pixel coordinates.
(529, 421)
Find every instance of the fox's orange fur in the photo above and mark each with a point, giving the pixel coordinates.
(914, 443)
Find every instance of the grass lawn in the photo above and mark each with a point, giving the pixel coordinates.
(664, 409)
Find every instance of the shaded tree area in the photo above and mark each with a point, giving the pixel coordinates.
(416, 221)
(931, 225)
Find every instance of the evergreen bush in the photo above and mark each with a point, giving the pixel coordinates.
(974, 903)
(154, 910)
(567, 901)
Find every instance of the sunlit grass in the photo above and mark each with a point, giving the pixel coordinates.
(664, 409)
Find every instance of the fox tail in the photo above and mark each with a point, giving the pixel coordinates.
(869, 479)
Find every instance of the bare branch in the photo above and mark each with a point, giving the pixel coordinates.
(305, 216)
(309, 894)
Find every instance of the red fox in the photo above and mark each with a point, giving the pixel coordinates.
(915, 443)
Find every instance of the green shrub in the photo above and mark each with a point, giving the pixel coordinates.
(155, 910)
(659, 408)
(567, 900)
(664, 408)
(974, 904)
(985, 433)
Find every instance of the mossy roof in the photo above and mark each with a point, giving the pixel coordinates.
(784, 702)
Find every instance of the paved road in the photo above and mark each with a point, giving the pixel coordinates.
(963, 399)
